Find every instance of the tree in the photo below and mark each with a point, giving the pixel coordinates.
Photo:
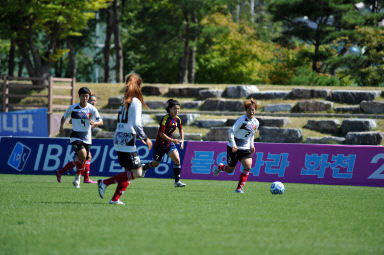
(40, 28)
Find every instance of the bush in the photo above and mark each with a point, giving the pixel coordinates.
(305, 76)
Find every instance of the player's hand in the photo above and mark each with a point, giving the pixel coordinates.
(234, 148)
(182, 144)
(176, 141)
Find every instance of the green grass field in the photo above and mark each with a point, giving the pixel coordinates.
(41, 216)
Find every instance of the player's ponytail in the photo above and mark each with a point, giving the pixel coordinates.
(171, 103)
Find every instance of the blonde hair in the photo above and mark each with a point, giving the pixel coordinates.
(249, 103)
(133, 84)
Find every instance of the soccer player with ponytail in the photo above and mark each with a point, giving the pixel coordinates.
(241, 144)
(129, 127)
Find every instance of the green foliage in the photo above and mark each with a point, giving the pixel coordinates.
(41, 216)
(305, 76)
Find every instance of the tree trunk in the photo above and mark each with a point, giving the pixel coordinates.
(72, 60)
(192, 55)
(107, 44)
(11, 59)
(118, 46)
(183, 62)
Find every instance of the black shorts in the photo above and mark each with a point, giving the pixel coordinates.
(232, 158)
(129, 160)
(79, 145)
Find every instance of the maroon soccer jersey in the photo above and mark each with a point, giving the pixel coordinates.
(168, 125)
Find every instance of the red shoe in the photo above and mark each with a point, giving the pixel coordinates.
(58, 176)
(89, 181)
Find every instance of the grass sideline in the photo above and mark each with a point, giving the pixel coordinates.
(41, 216)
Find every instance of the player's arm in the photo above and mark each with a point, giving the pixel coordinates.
(181, 132)
(137, 124)
(167, 138)
(231, 134)
(65, 116)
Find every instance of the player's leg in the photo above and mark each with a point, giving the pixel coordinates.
(88, 169)
(246, 161)
(157, 156)
(174, 155)
(231, 163)
(81, 154)
(66, 168)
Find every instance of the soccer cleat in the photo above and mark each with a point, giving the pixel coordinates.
(179, 184)
(239, 191)
(58, 176)
(76, 183)
(89, 181)
(101, 187)
(216, 171)
(118, 202)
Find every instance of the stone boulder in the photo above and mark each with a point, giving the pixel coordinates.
(217, 134)
(209, 123)
(186, 119)
(305, 93)
(222, 105)
(372, 106)
(268, 94)
(273, 121)
(115, 101)
(357, 125)
(364, 138)
(239, 91)
(280, 135)
(191, 104)
(156, 104)
(277, 108)
(185, 91)
(230, 122)
(325, 140)
(352, 96)
(105, 134)
(210, 93)
(324, 126)
(154, 90)
(193, 136)
(347, 109)
(312, 106)
(151, 131)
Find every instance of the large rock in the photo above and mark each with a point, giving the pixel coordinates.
(239, 91)
(185, 92)
(269, 94)
(357, 125)
(280, 135)
(273, 121)
(156, 104)
(154, 90)
(277, 108)
(353, 96)
(222, 105)
(364, 138)
(186, 119)
(191, 104)
(324, 126)
(210, 93)
(151, 131)
(302, 93)
(209, 123)
(347, 109)
(312, 106)
(217, 134)
(325, 140)
(115, 101)
(372, 106)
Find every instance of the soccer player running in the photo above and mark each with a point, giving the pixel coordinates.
(129, 126)
(241, 144)
(84, 117)
(166, 144)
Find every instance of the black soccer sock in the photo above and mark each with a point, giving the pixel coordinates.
(147, 166)
(176, 171)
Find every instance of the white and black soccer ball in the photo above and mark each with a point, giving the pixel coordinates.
(277, 188)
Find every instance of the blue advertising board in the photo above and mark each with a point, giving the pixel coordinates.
(24, 123)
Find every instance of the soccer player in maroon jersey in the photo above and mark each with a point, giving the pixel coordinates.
(165, 143)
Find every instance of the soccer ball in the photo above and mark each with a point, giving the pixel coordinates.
(277, 188)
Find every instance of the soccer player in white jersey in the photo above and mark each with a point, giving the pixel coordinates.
(241, 144)
(84, 117)
(129, 127)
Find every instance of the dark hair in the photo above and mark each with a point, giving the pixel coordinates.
(84, 90)
(171, 103)
(249, 103)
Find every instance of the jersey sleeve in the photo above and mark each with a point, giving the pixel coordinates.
(232, 131)
(179, 123)
(137, 122)
(68, 112)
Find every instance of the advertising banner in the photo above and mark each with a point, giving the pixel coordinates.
(24, 123)
(297, 163)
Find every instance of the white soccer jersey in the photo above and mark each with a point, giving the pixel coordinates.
(129, 125)
(81, 127)
(242, 133)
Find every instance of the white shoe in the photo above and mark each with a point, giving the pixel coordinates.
(101, 187)
(76, 183)
(217, 170)
(239, 191)
(118, 202)
(179, 184)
